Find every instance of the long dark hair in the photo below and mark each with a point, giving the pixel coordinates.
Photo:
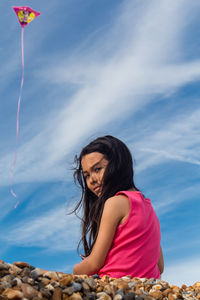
(118, 176)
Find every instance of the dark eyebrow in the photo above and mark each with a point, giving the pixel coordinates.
(92, 167)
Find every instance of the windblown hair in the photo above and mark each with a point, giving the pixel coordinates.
(118, 176)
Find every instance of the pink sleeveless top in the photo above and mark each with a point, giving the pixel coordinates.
(136, 246)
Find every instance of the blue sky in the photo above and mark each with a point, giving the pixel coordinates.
(126, 68)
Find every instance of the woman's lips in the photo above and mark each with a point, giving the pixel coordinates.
(96, 189)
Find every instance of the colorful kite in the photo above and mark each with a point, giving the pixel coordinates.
(25, 15)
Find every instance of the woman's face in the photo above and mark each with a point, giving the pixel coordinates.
(93, 167)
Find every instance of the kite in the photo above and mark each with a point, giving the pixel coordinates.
(25, 15)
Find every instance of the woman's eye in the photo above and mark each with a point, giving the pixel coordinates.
(97, 170)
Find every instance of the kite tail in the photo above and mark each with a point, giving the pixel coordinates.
(17, 128)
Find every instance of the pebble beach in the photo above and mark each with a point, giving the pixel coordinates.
(20, 280)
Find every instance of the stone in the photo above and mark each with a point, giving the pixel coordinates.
(28, 280)
(12, 294)
(105, 278)
(99, 289)
(118, 297)
(45, 292)
(50, 287)
(6, 285)
(45, 280)
(4, 266)
(138, 297)
(170, 296)
(90, 296)
(28, 291)
(129, 296)
(16, 282)
(77, 286)
(69, 290)
(36, 273)
(50, 274)
(103, 296)
(120, 292)
(197, 284)
(91, 283)
(156, 294)
(21, 264)
(132, 284)
(75, 296)
(86, 287)
(123, 285)
(67, 280)
(15, 270)
(108, 289)
(3, 273)
(167, 291)
(57, 294)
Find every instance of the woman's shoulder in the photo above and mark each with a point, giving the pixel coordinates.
(117, 200)
(119, 204)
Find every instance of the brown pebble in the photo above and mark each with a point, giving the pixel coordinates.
(99, 289)
(12, 294)
(51, 275)
(103, 296)
(21, 264)
(105, 278)
(67, 280)
(123, 285)
(167, 291)
(108, 289)
(156, 294)
(45, 280)
(184, 286)
(75, 296)
(86, 287)
(3, 273)
(14, 270)
(118, 297)
(170, 296)
(28, 291)
(57, 294)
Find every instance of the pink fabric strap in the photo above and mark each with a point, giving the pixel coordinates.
(17, 128)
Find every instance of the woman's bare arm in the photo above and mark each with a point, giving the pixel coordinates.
(107, 229)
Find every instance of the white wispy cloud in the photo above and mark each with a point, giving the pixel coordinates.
(142, 66)
(177, 140)
(54, 231)
(183, 272)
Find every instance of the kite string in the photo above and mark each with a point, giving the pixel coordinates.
(18, 109)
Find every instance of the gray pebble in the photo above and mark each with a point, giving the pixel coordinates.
(6, 285)
(45, 292)
(138, 297)
(4, 267)
(25, 272)
(90, 296)
(91, 283)
(77, 286)
(129, 296)
(120, 292)
(69, 290)
(34, 274)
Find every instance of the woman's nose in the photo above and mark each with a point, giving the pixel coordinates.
(93, 178)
